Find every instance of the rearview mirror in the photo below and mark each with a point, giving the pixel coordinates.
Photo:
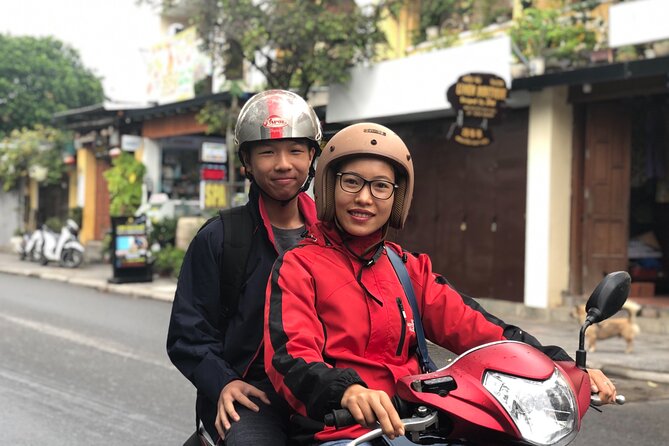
(608, 297)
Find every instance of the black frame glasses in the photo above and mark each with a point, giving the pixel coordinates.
(354, 189)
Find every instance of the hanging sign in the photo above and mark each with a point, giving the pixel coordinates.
(477, 99)
(130, 143)
(478, 95)
(472, 136)
(214, 152)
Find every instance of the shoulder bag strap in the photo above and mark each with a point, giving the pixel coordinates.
(426, 363)
(237, 239)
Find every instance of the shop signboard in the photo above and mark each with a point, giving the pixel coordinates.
(130, 250)
(214, 152)
(130, 143)
(472, 136)
(213, 194)
(477, 99)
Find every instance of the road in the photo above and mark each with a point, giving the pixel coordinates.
(81, 367)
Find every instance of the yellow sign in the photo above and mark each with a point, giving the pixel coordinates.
(478, 95)
(215, 194)
(472, 137)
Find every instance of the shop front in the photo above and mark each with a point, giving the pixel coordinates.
(619, 173)
(184, 162)
(469, 203)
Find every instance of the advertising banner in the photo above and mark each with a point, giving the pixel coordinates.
(130, 250)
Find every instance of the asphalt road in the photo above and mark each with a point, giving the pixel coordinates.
(80, 367)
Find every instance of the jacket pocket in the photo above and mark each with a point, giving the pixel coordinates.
(403, 319)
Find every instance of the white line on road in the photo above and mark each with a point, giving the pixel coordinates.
(87, 341)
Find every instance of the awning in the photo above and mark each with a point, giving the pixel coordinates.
(591, 75)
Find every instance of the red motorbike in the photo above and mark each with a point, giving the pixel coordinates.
(504, 392)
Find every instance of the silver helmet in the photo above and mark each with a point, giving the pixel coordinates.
(277, 114)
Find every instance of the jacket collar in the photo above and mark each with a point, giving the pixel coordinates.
(361, 247)
(305, 205)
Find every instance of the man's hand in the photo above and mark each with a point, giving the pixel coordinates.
(236, 391)
(368, 406)
(603, 386)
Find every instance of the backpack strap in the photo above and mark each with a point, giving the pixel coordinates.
(238, 231)
(400, 269)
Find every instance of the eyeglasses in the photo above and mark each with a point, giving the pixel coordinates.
(353, 183)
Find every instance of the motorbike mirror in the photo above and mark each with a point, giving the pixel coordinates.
(608, 297)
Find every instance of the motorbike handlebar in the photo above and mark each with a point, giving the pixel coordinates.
(596, 401)
(340, 418)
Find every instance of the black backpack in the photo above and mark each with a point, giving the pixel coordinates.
(236, 248)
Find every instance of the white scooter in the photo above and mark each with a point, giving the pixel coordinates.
(31, 246)
(63, 248)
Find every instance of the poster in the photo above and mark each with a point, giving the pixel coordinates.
(130, 250)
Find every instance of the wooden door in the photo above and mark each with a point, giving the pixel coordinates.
(606, 192)
(468, 209)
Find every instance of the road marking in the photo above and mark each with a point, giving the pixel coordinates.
(87, 341)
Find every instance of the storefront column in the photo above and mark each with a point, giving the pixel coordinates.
(86, 172)
(150, 156)
(548, 198)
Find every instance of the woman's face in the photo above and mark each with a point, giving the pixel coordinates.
(361, 213)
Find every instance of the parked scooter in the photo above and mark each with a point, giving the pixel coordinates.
(504, 392)
(63, 247)
(31, 246)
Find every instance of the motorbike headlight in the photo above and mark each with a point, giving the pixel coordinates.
(544, 411)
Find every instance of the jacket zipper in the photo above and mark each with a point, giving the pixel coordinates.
(403, 318)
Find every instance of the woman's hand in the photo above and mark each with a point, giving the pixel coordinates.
(603, 386)
(236, 391)
(368, 406)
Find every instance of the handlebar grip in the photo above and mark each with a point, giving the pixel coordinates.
(339, 418)
(596, 401)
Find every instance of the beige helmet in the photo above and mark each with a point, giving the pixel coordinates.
(364, 139)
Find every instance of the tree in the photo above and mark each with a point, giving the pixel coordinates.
(124, 180)
(294, 44)
(40, 76)
(31, 152)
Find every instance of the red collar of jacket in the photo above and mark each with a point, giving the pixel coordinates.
(330, 233)
(305, 205)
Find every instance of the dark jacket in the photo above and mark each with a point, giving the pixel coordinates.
(196, 343)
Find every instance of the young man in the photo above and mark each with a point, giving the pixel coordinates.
(215, 339)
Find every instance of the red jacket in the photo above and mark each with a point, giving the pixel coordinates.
(332, 320)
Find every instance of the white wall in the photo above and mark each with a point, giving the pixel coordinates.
(9, 216)
(151, 157)
(415, 84)
(548, 209)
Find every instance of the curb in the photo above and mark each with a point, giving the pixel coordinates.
(133, 290)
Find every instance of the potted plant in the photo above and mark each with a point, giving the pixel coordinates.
(546, 38)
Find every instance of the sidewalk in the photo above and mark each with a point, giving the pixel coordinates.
(89, 275)
(648, 362)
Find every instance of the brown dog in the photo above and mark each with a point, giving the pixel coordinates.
(623, 327)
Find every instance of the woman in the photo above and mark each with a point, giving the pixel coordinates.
(339, 331)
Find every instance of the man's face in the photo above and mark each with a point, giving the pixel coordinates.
(279, 167)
